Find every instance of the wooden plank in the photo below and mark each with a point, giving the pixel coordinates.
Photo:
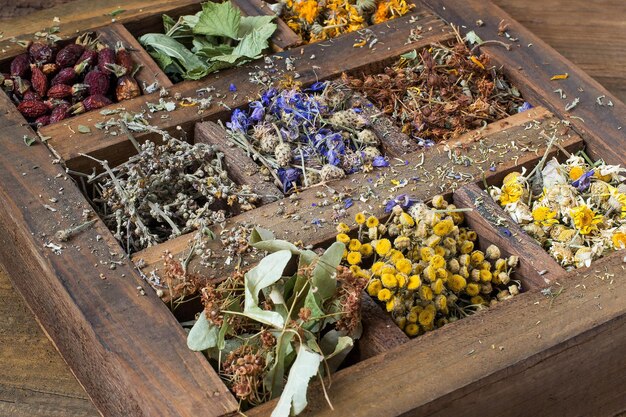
(530, 65)
(284, 37)
(83, 16)
(338, 56)
(150, 71)
(240, 167)
(35, 381)
(591, 35)
(491, 363)
(380, 333)
(121, 342)
(536, 267)
(299, 219)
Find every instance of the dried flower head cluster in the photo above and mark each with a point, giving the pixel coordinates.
(440, 93)
(425, 266)
(576, 210)
(305, 137)
(274, 320)
(167, 190)
(320, 20)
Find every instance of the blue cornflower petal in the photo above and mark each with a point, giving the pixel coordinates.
(524, 107)
(289, 177)
(232, 88)
(318, 86)
(584, 181)
(380, 161)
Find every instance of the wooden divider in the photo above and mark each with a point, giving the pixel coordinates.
(536, 268)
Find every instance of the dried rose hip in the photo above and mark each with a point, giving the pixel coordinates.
(31, 95)
(68, 56)
(40, 52)
(106, 56)
(123, 58)
(42, 121)
(90, 103)
(64, 90)
(20, 65)
(65, 76)
(89, 55)
(127, 88)
(60, 112)
(39, 80)
(32, 108)
(98, 82)
(53, 103)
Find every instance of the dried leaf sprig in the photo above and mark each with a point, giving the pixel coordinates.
(275, 327)
(440, 92)
(425, 267)
(167, 190)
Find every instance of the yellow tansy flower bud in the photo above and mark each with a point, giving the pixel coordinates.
(389, 281)
(414, 282)
(359, 218)
(437, 261)
(412, 330)
(371, 222)
(443, 227)
(457, 283)
(401, 278)
(366, 250)
(407, 220)
(383, 246)
(377, 268)
(472, 289)
(374, 287)
(343, 238)
(354, 258)
(384, 295)
(342, 228)
(354, 245)
(404, 265)
(437, 286)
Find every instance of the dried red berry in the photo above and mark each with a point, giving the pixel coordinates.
(40, 52)
(127, 88)
(32, 108)
(31, 95)
(68, 56)
(98, 82)
(39, 80)
(65, 76)
(42, 121)
(88, 55)
(123, 58)
(49, 69)
(60, 112)
(90, 103)
(20, 65)
(106, 56)
(64, 90)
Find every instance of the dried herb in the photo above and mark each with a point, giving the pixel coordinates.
(270, 330)
(303, 138)
(316, 21)
(215, 38)
(167, 190)
(440, 93)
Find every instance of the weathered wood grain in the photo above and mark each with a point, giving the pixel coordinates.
(530, 65)
(121, 341)
(338, 56)
(240, 167)
(536, 268)
(380, 333)
(590, 34)
(36, 380)
(492, 363)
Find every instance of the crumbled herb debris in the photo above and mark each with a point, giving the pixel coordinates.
(215, 38)
(440, 93)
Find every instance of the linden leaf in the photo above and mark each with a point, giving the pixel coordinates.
(83, 129)
(203, 335)
(472, 38)
(266, 273)
(250, 23)
(324, 274)
(293, 399)
(218, 19)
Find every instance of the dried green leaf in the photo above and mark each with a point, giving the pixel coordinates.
(218, 19)
(293, 399)
(83, 129)
(472, 38)
(29, 141)
(324, 274)
(117, 11)
(203, 335)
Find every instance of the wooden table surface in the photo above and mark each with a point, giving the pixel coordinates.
(34, 379)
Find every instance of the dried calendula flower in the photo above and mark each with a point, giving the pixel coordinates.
(433, 277)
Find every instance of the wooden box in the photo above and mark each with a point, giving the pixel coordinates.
(534, 354)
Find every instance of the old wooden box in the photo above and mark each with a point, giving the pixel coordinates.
(533, 354)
